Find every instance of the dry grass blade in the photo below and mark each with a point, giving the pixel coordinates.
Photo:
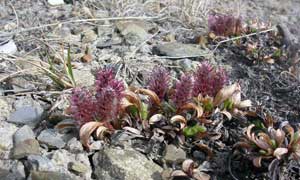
(257, 161)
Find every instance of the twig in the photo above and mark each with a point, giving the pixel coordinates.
(240, 37)
(78, 21)
(14, 74)
(15, 12)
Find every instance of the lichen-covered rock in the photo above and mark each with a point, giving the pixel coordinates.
(125, 164)
(51, 138)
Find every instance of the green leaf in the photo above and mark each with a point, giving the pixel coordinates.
(208, 106)
(144, 112)
(193, 130)
(228, 104)
(273, 143)
(133, 110)
(69, 68)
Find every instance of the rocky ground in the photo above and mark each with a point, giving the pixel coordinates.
(134, 36)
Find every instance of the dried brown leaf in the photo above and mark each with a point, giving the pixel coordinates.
(86, 130)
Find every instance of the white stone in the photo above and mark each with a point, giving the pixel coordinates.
(56, 2)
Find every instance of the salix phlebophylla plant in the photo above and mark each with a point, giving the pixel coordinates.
(98, 110)
(224, 25)
(270, 143)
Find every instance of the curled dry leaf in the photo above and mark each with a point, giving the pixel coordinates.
(152, 95)
(257, 161)
(156, 118)
(179, 119)
(225, 93)
(179, 173)
(243, 104)
(86, 130)
(192, 106)
(206, 149)
(279, 152)
(102, 132)
(227, 114)
(188, 166)
(133, 99)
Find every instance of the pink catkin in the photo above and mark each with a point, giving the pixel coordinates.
(159, 81)
(83, 106)
(223, 25)
(208, 80)
(183, 90)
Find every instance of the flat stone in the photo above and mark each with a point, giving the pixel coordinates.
(175, 49)
(49, 175)
(127, 164)
(39, 163)
(56, 2)
(23, 134)
(174, 154)
(51, 138)
(26, 148)
(11, 170)
(26, 116)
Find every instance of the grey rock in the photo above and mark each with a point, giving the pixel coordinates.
(174, 154)
(127, 164)
(39, 163)
(133, 32)
(51, 138)
(26, 116)
(11, 170)
(49, 175)
(74, 146)
(63, 159)
(175, 49)
(4, 109)
(7, 131)
(56, 2)
(25, 148)
(23, 134)
(89, 36)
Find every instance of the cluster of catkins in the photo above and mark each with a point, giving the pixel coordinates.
(103, 103)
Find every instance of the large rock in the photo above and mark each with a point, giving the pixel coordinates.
(40, 163)
(175, 49)
(23, 134)
(125, 164)
(11, 170)
(26, 116)
(174, 154)
(26, 148)
(51, 138)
